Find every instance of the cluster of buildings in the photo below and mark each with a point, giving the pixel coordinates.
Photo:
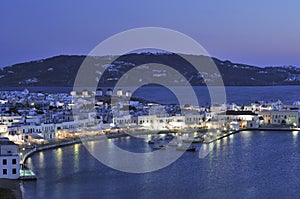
(40, 117)
(224, 116)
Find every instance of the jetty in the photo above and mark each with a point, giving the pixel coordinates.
(249, 129)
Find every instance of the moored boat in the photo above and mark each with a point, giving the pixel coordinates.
(159, 147)
(190, 148)
(151, 142)
(169, 136)
(173, 143)
(193, 140)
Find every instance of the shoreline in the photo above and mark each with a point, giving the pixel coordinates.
(88, 139)
(137, 133)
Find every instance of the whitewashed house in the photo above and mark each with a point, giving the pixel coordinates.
(9, 159)
(283, 117)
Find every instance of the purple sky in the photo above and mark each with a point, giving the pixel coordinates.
(257, 32)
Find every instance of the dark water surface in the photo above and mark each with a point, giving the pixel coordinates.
(234, 94)
(246, 165)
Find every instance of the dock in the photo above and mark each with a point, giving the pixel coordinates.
(222, 136)
(249, 129)
(27, 174)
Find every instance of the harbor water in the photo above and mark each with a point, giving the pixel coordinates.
(234, 94)
(249, 164)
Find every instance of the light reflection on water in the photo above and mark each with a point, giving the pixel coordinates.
(295, 136)
(59, 160)
(41, 159)
(230, 138)
(76, 157)
(245, 165)
(224, 140)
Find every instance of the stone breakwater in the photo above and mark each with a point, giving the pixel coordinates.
(252, 129)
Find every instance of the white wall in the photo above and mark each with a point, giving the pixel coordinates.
(9, 167)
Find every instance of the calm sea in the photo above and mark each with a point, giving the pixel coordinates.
(246, 165)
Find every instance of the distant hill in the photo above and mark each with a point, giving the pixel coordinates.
(62, 70)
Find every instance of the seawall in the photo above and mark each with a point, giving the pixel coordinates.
(252, 129)
(51, 146)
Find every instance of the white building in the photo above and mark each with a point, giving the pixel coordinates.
(240, 115)
(283, 117)
(218, 108)
(161, 123)
(124, 121)
(99, 92)
(73, 93)
(9, 159)
(10, 120)
(128, 93)
(85, 93)
(245, 119)
(119, 93)
(3, 131)
(194, 119)
(109, 92)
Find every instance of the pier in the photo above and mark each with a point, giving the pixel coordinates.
(250, 129)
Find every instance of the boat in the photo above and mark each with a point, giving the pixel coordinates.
(150, 142)
(198, 140)
(193, 140)
(189, 140)
(191, 148)
(202, 130)
(182, 148)
(173, 143)
(169, 136)
(159, 147)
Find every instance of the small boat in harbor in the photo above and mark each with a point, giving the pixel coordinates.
(160, 147)
(151, 142)
(191, 148)
(193, 140)
(173, 143)
(198, 140)
(182, 148)
(188, 140)
(169, 137)
(202, 130)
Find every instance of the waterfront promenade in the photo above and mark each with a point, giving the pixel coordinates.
(67, 141)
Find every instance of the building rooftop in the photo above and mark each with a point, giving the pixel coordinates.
(231, 112)
(6, 141)
(295, 111)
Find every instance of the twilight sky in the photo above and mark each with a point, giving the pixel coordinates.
(254, 32)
